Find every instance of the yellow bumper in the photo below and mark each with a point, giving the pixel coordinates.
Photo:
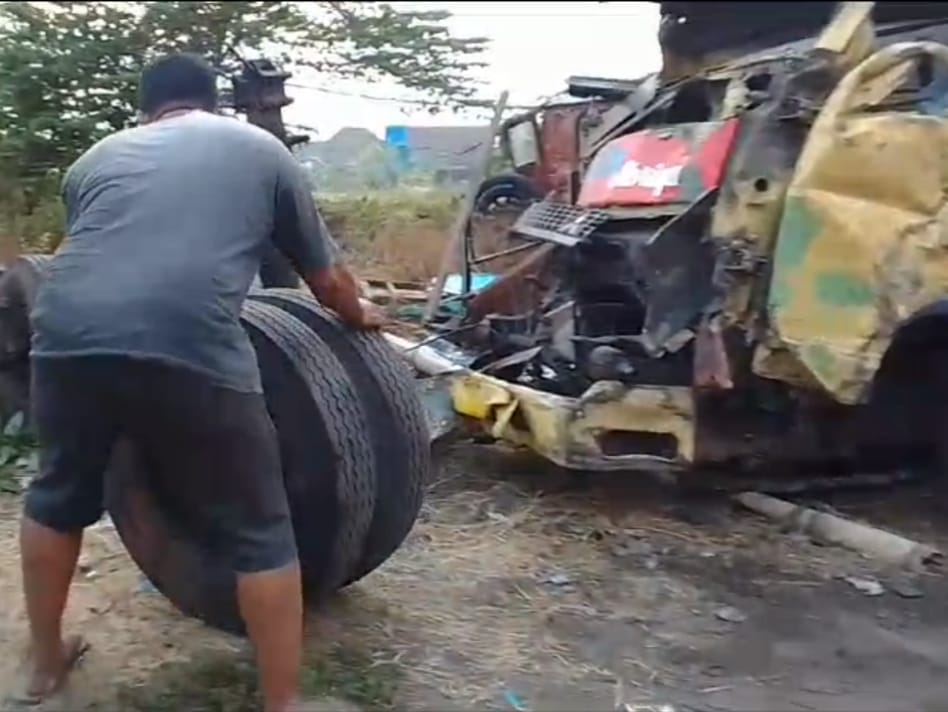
(609, 428)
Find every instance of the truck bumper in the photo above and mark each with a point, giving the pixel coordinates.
(608, 428)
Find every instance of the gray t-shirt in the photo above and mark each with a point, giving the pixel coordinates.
(166, 226)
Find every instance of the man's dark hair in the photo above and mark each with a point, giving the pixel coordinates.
(180, 81)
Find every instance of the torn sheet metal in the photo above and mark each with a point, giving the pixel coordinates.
(862, 241)
(435, 395)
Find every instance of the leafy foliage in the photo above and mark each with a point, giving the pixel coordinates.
(67, 78)
(69, 69)
(17, 455)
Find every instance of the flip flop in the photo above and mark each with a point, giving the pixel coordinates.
(77, 647)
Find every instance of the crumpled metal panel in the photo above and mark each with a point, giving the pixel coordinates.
(570, 431)
(863, 240)
(559, 141)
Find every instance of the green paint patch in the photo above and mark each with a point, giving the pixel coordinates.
(843, 289)
(797, 231)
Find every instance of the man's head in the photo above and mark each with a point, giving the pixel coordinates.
(178, 81)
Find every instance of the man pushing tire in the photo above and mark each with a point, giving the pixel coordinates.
(136, 334)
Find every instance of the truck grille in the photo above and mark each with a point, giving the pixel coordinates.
(561, 223)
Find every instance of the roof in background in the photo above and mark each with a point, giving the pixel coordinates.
(444, 145)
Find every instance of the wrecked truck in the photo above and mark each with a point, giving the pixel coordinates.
(753, 269)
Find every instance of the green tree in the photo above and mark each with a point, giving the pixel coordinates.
(68, 70)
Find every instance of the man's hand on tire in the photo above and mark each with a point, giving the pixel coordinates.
(371, 319)
(338, 289)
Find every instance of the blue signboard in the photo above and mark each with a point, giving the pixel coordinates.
(398, 138)
(396, 135)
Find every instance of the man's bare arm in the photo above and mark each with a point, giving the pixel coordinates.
(336, 287)
(301, 234)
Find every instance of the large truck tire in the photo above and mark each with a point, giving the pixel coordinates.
(397, 424)
(328, 472)
(509, 189)
(19, 283)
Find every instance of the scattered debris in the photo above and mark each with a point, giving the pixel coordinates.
(515, 701)
(730, 614)
(868, 586)
(632, 546)
(86, 568)
(905, 588)
(558, 580)
(146, 586)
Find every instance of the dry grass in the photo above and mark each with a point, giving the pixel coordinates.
(513, 574)
(467, 606)
(147, 657)
(489, 584)
(513, 578)
(393, 236)
(397, 235)
(404, 236)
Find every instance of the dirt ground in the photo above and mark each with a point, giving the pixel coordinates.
(525, 588)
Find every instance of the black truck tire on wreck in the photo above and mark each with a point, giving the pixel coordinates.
(511, 187)
(397, 424)
(327, 468)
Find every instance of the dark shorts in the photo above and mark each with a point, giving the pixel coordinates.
(216, 449)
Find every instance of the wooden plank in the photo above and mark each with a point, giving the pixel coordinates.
(456, 245)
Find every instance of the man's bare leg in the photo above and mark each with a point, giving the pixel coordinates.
(271, 604)
(48, 559)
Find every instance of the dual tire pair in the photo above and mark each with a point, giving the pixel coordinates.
(354, 447)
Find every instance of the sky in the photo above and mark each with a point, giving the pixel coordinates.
(533, 48)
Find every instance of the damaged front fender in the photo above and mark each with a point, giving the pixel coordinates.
(862, 243)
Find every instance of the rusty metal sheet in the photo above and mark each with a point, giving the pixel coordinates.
(559, 146)
(712, 369)
(862, 242)
(517, 291)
